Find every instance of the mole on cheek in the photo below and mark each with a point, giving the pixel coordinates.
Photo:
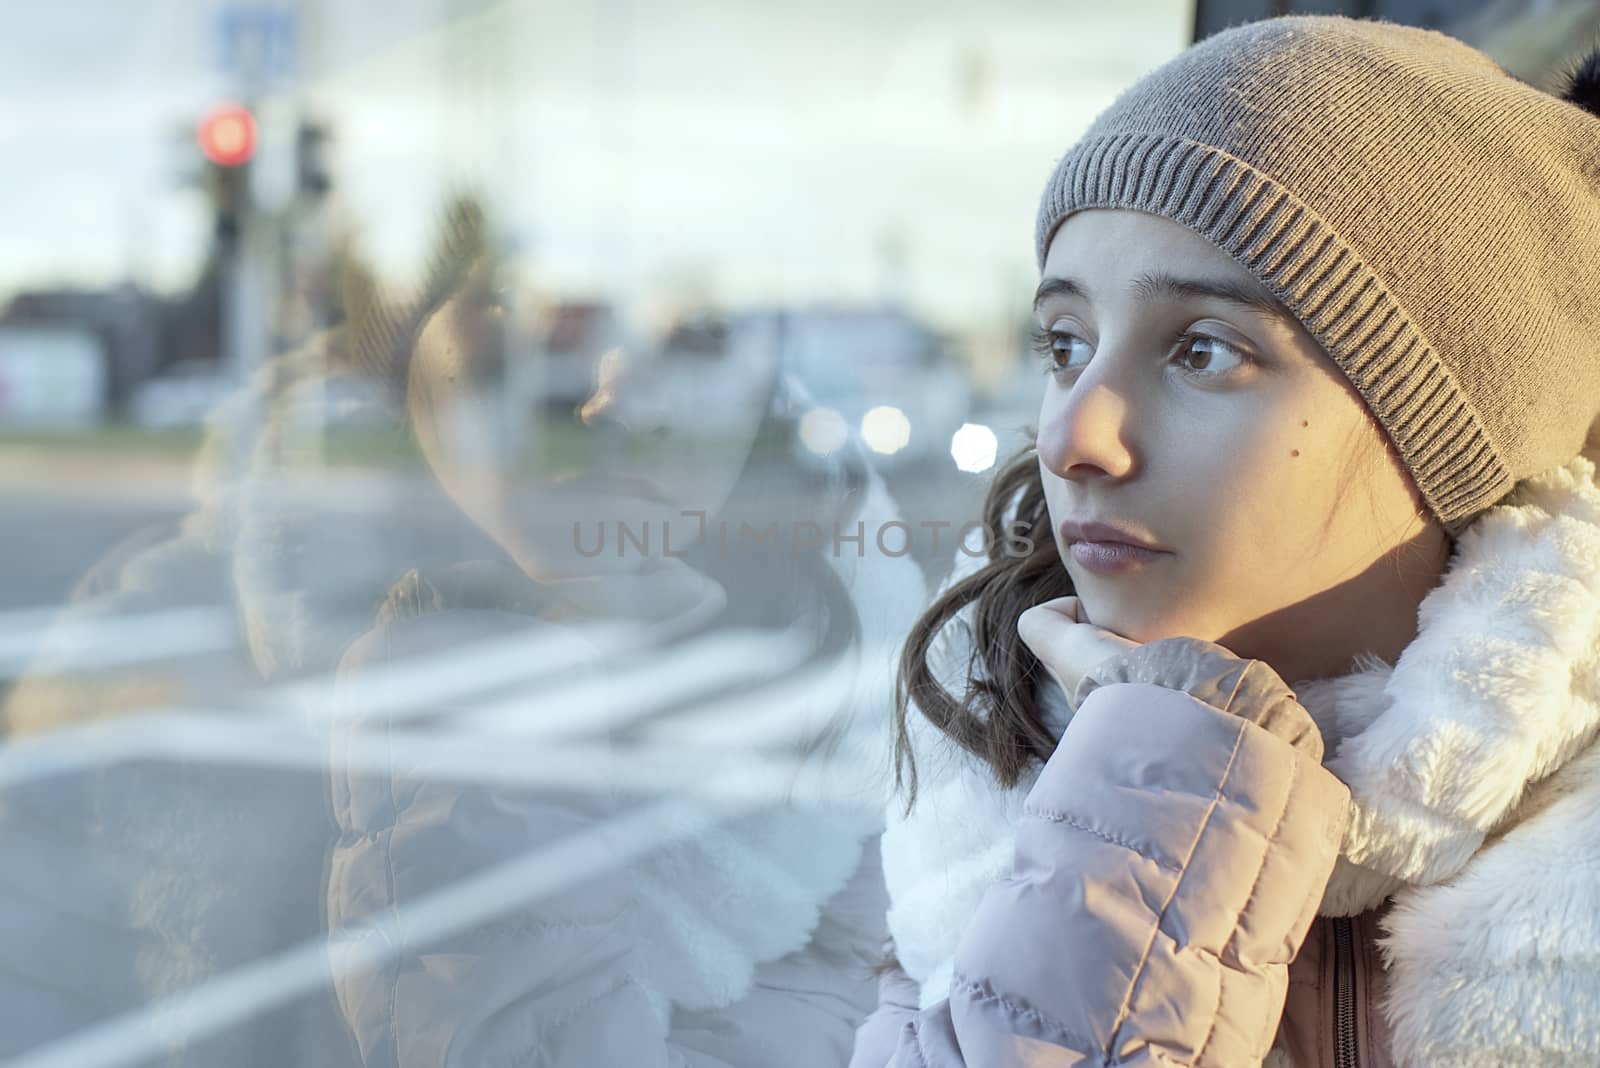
(1294, 452)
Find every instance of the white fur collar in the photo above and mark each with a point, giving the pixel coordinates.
(1475, 797)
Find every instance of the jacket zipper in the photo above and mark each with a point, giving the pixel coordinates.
(1344, 994)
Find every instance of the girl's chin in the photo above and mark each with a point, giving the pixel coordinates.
(1131, 622)
(1110, 617)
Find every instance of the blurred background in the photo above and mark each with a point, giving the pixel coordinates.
(187, 178)
(316, 315)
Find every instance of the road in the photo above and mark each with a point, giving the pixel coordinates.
(150, 757)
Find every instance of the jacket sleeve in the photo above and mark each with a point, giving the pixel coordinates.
(1168, 864)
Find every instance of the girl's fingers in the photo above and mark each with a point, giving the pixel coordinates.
(1046, 624)
(1067, 606)
(1067, 648)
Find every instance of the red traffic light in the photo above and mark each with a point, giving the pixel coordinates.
(227, 135)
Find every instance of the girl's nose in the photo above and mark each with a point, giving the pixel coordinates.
(627, 402)
(1086, 432)
(630, 419)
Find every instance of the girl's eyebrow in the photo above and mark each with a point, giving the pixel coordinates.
(1158, 286)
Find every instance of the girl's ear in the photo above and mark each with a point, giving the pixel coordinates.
(1583, 84)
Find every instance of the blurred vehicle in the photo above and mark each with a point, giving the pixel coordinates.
(875, 375)
(51, 376)
(181, 397)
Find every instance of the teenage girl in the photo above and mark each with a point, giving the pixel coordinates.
(1273, 741)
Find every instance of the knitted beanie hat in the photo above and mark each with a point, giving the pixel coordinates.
(1431, 220)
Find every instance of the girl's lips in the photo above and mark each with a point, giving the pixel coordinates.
(1112, 557)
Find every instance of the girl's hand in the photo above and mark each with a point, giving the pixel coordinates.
(1067, 646)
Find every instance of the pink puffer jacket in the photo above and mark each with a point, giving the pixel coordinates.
(1168, 867)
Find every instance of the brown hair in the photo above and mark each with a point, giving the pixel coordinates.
(994, 717)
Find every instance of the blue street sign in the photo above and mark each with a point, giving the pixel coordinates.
(257, 43)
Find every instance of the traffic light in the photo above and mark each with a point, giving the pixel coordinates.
(227, 135)
(311, 164)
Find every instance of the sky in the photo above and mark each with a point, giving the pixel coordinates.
(740, 150)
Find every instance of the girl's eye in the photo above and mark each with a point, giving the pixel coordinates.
(1207, 349)
(1199, 355)
(1055, 348)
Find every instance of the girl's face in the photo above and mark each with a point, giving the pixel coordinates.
(1185, 406)
(682, 420)
(656, 450)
